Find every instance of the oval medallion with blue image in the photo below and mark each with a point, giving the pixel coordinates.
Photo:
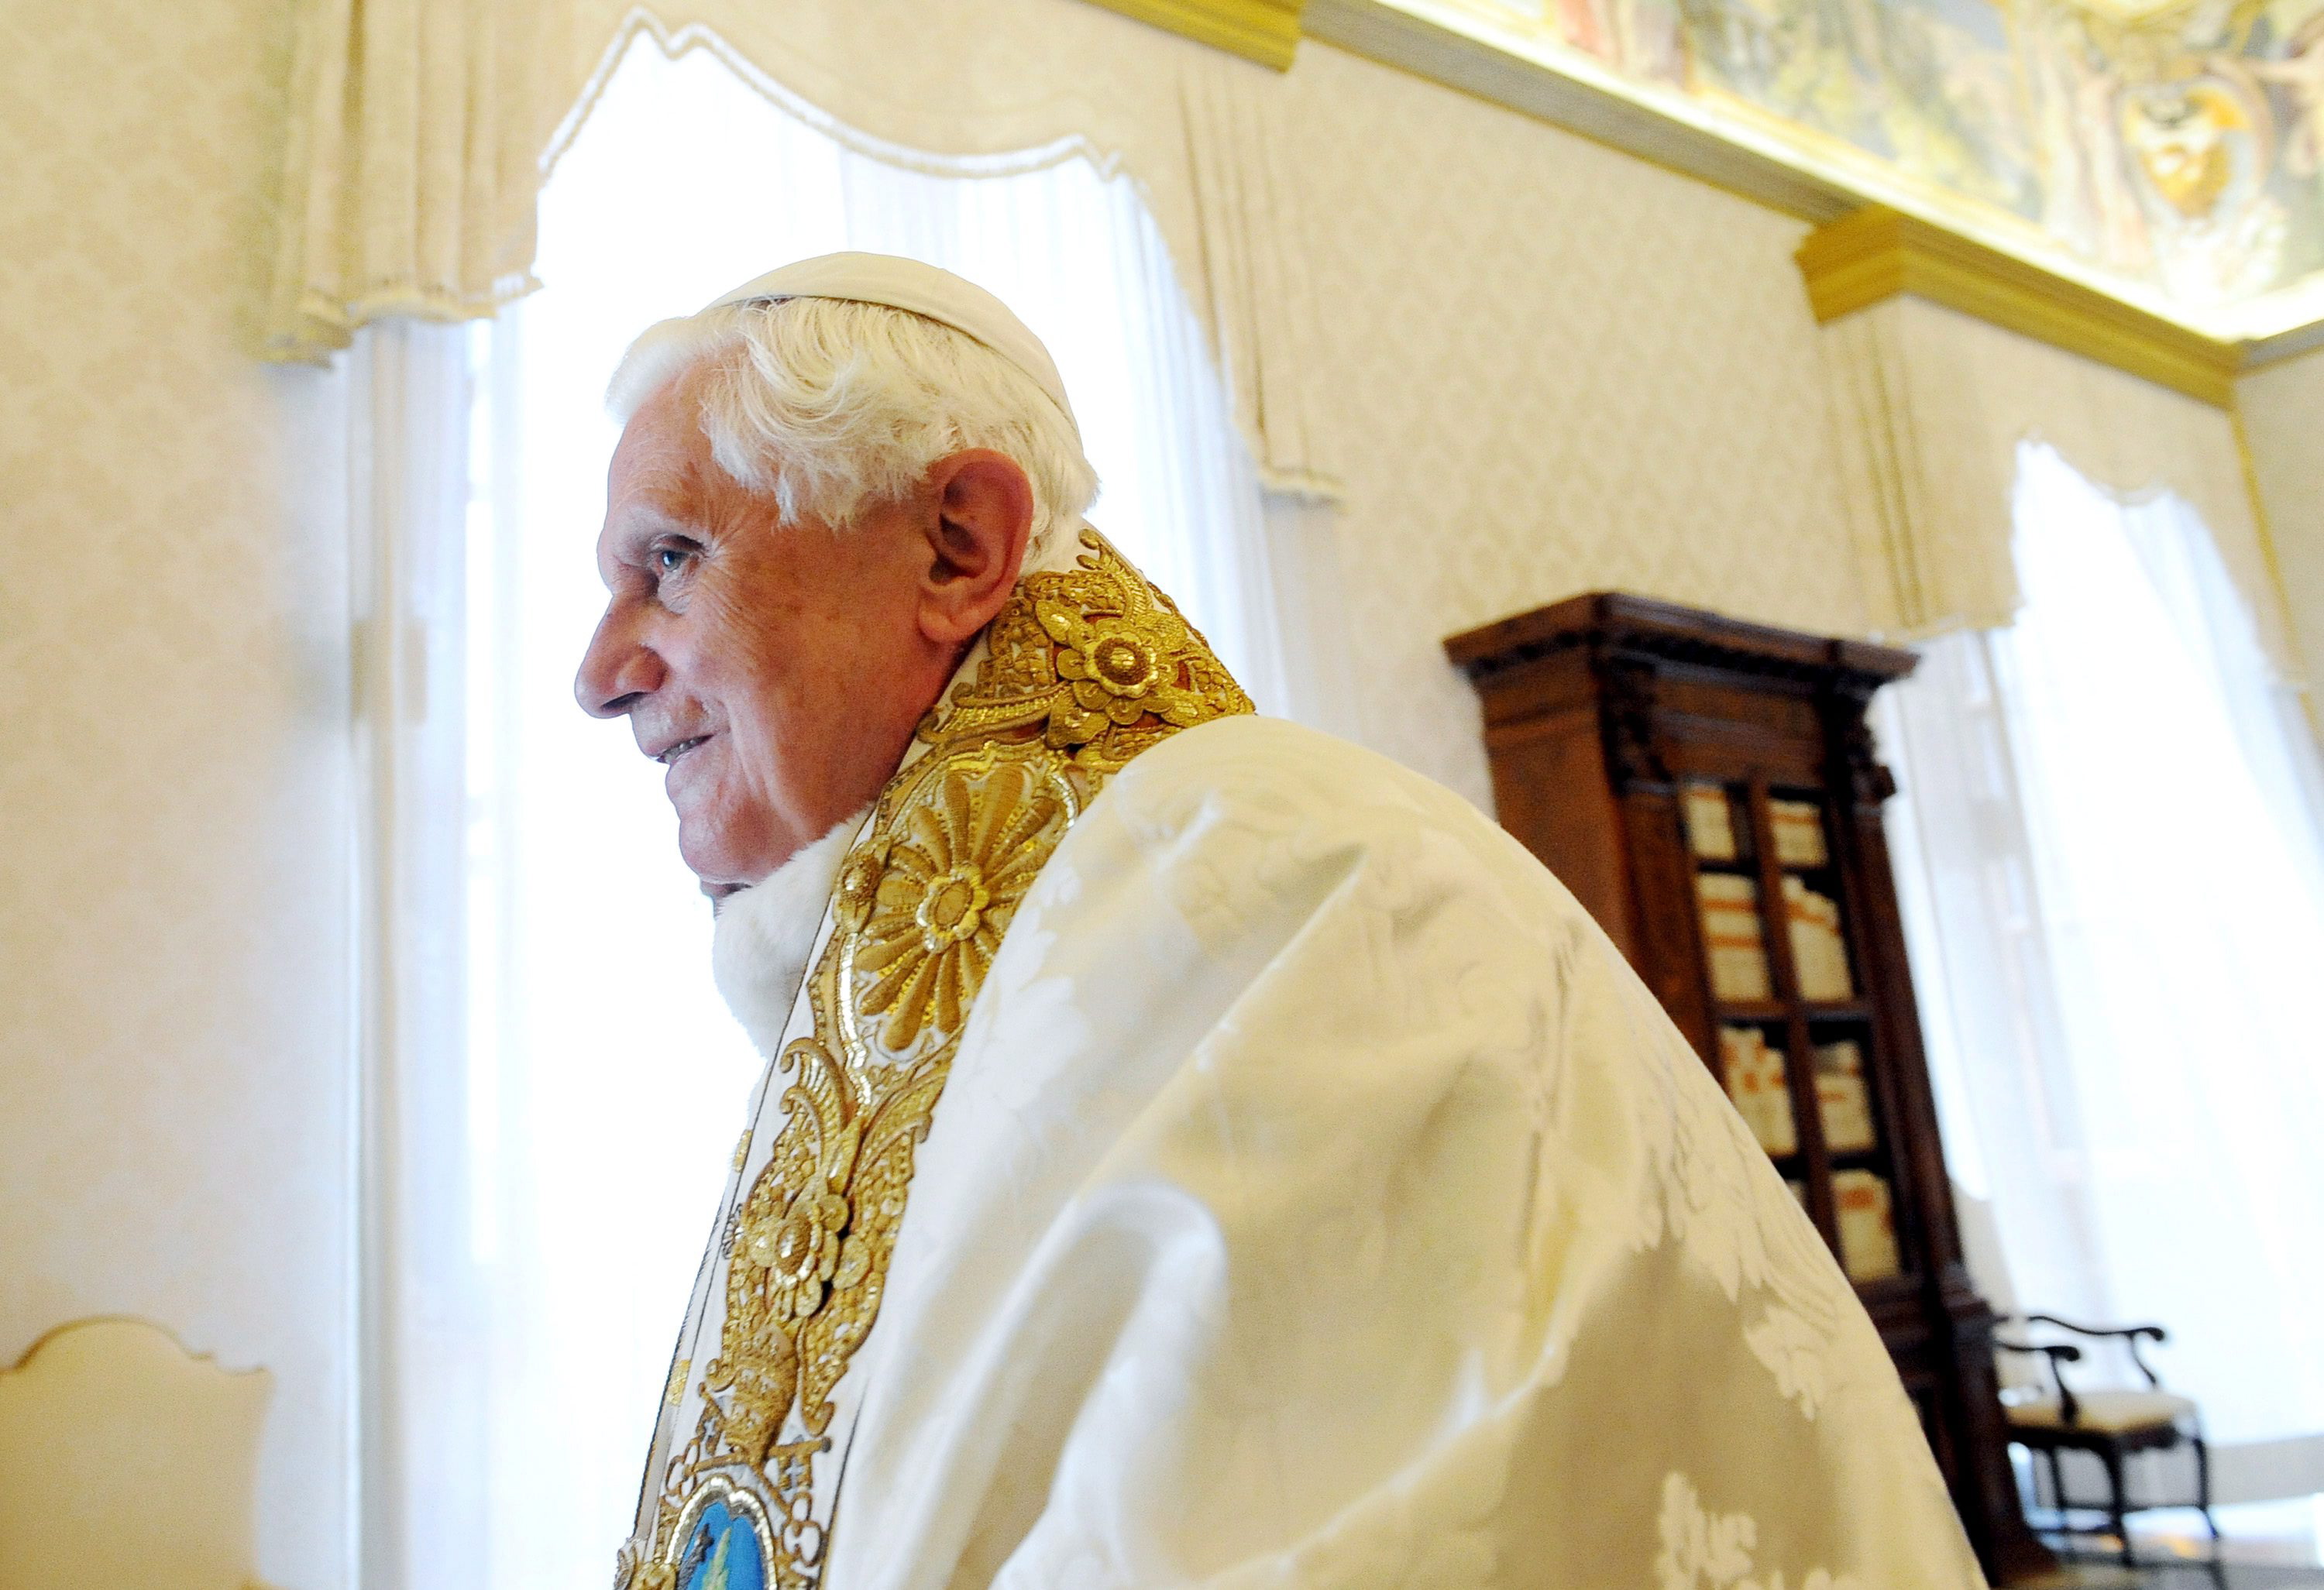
(722, 1550)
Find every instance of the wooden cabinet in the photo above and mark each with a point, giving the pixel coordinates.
(1708, 789)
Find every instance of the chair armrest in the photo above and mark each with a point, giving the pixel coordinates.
(2131, 1335)
(2151, 1332)
(2055, 1353)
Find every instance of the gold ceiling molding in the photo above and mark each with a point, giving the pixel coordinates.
(1876, 254)
(1264, 31)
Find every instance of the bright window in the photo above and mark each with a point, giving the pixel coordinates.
(2114, 865)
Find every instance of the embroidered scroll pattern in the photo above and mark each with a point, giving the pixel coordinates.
(1084, 669)
(1703, 1550)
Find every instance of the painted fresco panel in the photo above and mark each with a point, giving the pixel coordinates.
(2180, 145)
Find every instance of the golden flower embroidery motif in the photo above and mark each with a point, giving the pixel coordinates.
(964, 856)
(1119, 668)
(1094, 661)
(953, 908)
(799, 1250)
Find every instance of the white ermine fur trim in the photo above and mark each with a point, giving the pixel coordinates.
(764, 934)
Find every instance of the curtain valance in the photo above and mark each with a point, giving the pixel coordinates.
(1928, 496)
(422, 130)
(1929, 405)
(412, 162)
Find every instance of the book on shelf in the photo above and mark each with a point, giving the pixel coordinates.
(1819, 953)
(1798, 828)
(1731, 937)
(1709, 823)
(1842, 1098)
(1868, 1225)
(1756, 1081)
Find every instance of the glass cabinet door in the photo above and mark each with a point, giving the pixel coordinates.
(1797, 1044)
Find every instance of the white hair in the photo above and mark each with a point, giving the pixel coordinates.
(833, 406)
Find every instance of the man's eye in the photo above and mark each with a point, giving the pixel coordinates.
(668, 560)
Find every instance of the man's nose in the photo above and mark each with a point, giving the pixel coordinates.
(617, 671)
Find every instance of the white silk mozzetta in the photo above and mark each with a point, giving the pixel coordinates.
(1318, 1200)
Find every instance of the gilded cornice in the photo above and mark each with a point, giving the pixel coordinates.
(1873, 256)
(1264, 31)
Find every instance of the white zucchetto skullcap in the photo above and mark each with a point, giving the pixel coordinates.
(921, 288)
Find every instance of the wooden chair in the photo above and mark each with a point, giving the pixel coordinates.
(2110, 1424)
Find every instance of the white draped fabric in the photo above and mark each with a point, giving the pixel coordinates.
(1318, 1199)
(407, 433)
(1927, 492)
(2117, 912)
(1929, 405)
(421, 131)
(411, 162)
(543, 1164)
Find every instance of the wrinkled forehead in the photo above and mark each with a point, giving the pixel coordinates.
(663, 448)
(655, 480)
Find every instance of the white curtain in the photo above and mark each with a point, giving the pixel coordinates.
(416, 1290)
(546, 1168)
(2112, 853)
(1928, 405)
(418, 134)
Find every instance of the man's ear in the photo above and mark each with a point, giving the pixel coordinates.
(977, 540)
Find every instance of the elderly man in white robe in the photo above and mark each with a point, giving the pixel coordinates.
(1194, 1151)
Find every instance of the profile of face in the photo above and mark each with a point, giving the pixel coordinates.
(777, 669)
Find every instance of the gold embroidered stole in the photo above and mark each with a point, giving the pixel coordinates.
(1084, 669)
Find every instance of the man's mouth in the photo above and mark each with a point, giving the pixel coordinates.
(679, 749)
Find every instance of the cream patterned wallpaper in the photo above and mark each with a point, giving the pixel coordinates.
(1559, 370)
(173, 793)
